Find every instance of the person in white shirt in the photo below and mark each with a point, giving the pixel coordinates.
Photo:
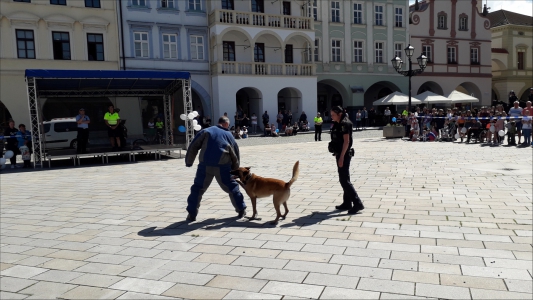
(526, 128)
(254, 123)
(515, 113)
(387, 115)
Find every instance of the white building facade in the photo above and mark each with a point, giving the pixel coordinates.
(58, 34)
(456, 38)
(259, 54)
(167, 35)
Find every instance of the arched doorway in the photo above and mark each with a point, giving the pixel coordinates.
(379, 90)
(469, 88)
(330, 93)
(248, 100)
(432, 87)
(290, 99)
(5, 116)
(64, 107)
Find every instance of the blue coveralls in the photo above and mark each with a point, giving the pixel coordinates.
(218, 156)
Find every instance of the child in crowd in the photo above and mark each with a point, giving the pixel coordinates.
(511, 132)
(273, 130)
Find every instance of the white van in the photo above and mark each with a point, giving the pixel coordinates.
(61, 133)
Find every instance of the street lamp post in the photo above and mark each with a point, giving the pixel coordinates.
(397, 64)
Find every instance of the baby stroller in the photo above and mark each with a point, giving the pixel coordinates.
(447, 133)
(304, 126)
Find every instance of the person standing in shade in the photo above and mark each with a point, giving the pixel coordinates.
(318, 127)
(341, 147)
(387, 115)
(83, 131)
(254, 123)
(219, 154)
(266, 122)
(24, 145)
(364, 116)
(10, 134)
(112, 121)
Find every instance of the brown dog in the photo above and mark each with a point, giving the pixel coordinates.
(260, 187)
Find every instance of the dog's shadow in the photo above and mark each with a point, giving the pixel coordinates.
(184, 227)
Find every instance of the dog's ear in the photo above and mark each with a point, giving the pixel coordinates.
(248, 168)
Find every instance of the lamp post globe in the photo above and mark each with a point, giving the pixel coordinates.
(397, 63)
(409, 51)
(422, 61)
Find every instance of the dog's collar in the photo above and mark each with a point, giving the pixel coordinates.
(247, 178)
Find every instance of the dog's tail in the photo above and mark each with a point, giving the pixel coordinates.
(295, 173)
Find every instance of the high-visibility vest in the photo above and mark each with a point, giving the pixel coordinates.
(111, 118)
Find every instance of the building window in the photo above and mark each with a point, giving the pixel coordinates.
(167, 4)
(398, 16)
(398, 49)
(195, 5)
(336, 50)
(259, 52)
(474, 56)
(313, 9)
(197, 47)
(58, 2)
(463, 23)
(92, 3)
(25, 44)
(228, 4)
(170, 46)
(258, 6)
(358, 51)
(289, 59)
(61, 45)
(138, 3)
(141, 44)
(520, 60)
(335, 11)
(452, 55)
(426, 51)
(379, 53)
(358, 13)
(317, 48)
(229, 51)
(379, 15)
(95, 46)
(442, 23)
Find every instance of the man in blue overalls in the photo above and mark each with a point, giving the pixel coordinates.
(218, 156)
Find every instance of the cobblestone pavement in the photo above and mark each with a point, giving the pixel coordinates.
(442, 220)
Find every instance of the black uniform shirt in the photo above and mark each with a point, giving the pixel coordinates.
(10, 135)
(339, 130)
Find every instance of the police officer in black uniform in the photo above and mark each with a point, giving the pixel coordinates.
(341, 147)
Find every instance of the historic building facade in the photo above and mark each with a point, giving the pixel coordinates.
(259, 55)
(512, 54)
(354, 44)
(455, 36)
(59, 34)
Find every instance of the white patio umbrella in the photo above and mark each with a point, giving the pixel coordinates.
(396, 98)
(458, 97)
(430, 98)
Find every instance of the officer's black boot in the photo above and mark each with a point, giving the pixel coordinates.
(346, 203)
(358, 205)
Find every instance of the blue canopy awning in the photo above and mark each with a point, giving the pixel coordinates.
(105, 82)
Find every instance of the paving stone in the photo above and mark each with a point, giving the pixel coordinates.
(441, 291)
(57, 276)
(33, 261)
(216, 258)
(188, 278)
(216, 249)
(308, 266)
(490, 294)
(260, 262)
(355, 260)
(195, 292)
(249, 295)
(307, 256)
(108, 258)
(412, 276)
(368, 252)
(22, 271)
(142, 285)
(508, 263)
(63, 264)
(390, 286)
(340, 293)
(184, 266)
(460, 260)
(393, 247)
(293, 289)
(146, 273)
(136, 296)
(496, 272)
(87, 292)
(521, 286)
(283, 246)
(47, 290)
(486, 253)
(12, 284)
(144, 262)
(8, 295)
(397, 255)
(237, 283)
(358, 271)
(439, 268)
(398, 264)
(389, 296)
(105, 269)
(332, 280)
(238, 271)
(281, 275)
(96, 280)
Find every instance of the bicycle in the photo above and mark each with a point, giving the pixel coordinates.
(161, 140)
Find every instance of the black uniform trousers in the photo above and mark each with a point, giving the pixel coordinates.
(83, 139)
(318, 133)
(350, 197)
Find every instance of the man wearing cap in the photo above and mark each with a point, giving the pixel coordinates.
(83, 131)
(318, 127)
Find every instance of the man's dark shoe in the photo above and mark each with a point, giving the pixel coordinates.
(242, 214)
(190, 218)
(344, 206)
(356, 209)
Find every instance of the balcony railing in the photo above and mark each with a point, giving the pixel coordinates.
(260, 19)
(253, 68)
